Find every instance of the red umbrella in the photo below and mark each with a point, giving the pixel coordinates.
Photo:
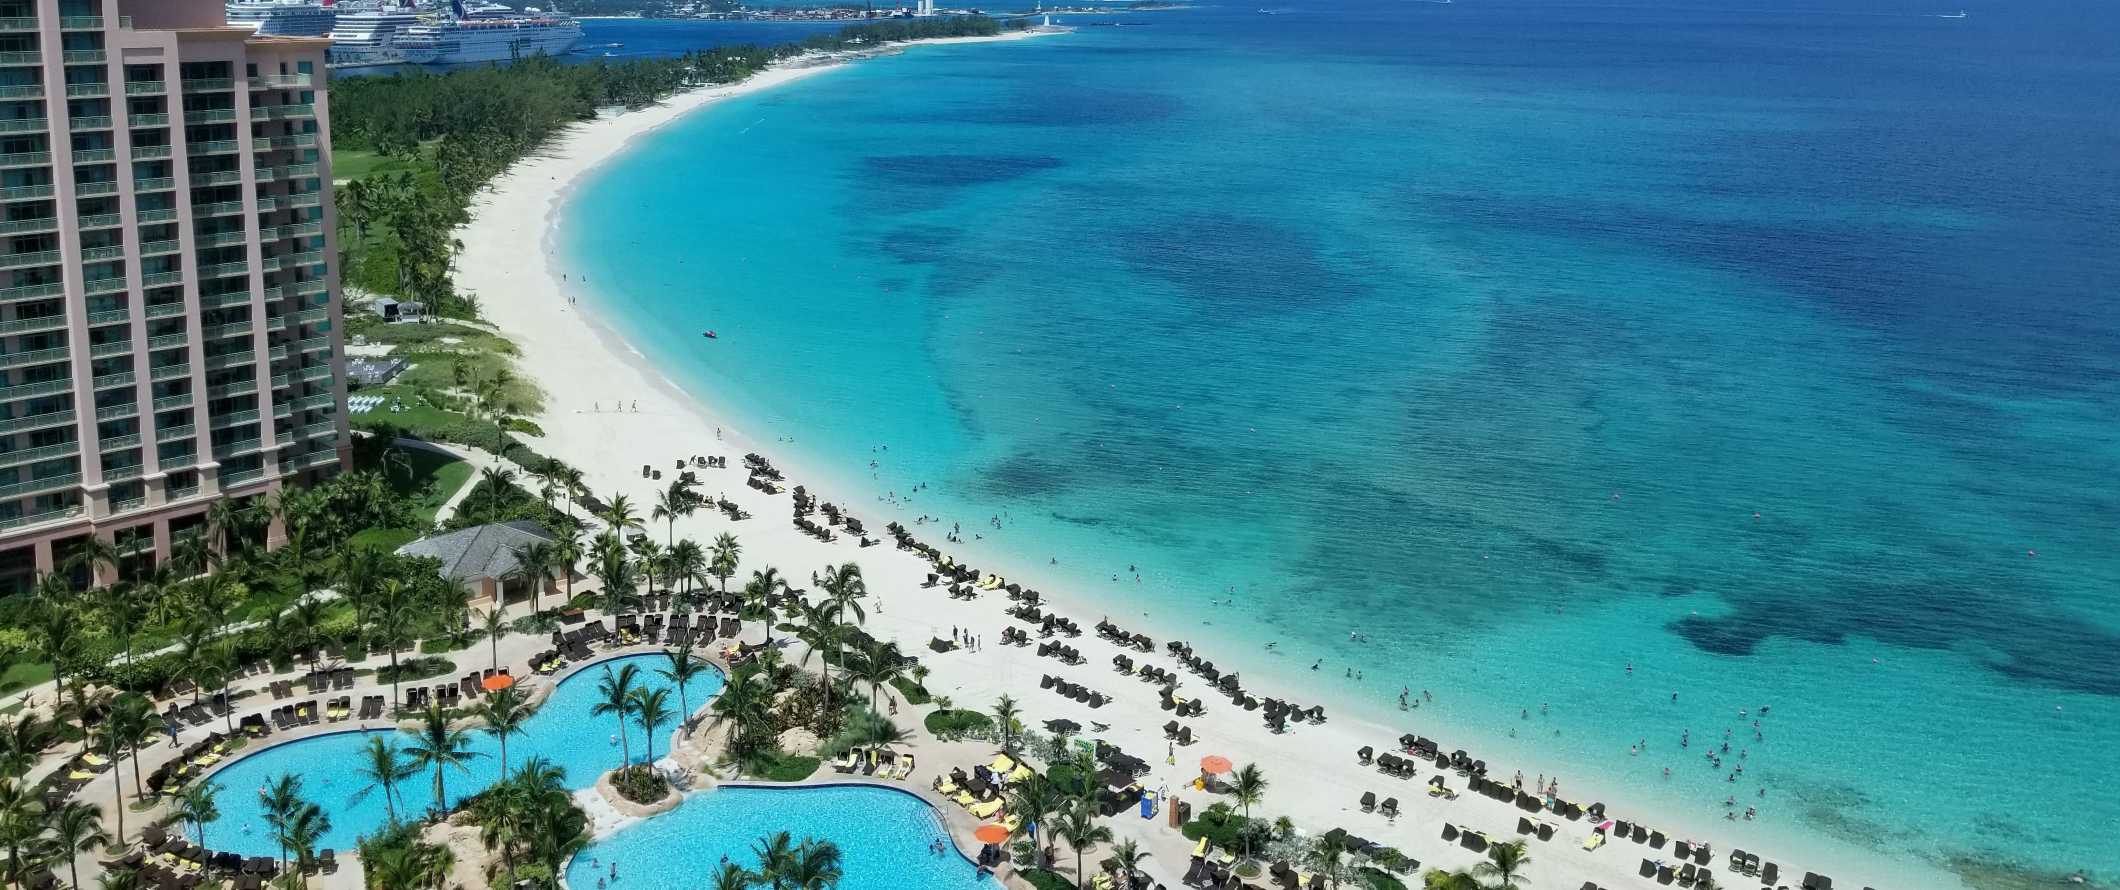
(991, 833)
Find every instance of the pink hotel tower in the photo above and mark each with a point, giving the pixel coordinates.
(170, 322)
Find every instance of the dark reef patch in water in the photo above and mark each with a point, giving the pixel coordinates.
(956, 171)
(1225, 260)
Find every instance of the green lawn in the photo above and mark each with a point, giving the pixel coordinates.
(22, 675)
(351, 164)
(434, 478)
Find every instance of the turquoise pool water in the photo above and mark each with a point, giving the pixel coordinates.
(562, 731)
(883, 837)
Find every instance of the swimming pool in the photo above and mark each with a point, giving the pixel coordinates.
(562, 731)
(884, 837)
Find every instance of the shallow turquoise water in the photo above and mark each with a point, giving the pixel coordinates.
(882, 834)
(1767, 351)
(562, 730)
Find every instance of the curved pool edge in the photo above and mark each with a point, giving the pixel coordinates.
(941, 817)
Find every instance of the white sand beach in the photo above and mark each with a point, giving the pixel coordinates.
(1315, 778)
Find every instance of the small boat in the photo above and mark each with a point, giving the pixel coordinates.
(711, 335)
(1960, 15)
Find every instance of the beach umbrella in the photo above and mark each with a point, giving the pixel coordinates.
(1214, 764)
(991, 833)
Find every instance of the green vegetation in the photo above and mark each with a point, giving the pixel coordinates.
(415, 669)
(958, 724)
(787, 767)
(911, 692)
(1047, 879)
(415, 147)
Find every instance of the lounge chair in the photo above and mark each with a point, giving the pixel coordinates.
(1369, 801)
(1390, 808)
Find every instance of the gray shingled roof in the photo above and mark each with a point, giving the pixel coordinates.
(484, 551)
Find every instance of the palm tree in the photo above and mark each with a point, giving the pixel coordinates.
(57, 632)
(199, 804)
(505, 715)
(733, 877)
(1248, 786)
(534, 563)
(684, 668)
(648, 556)
(19, 827)
(823, 637)
(758, 595)
(613, 570)
(688, 562)
(843, 590)
(132, 720)
(1327, 856)
(1032, 800)
(1438, 879)
(301, 832)
(383, 768)
(616, 690)
(77, 830)
(1006, 716)
(392, 625)
(670, 504)
(1078, 826)
(96, 551)
(1505, 862)
(776, 857)
(281, 800)
(815, 866)
(22, 741)
(1129, 856)
(567, 553)
(745, 707)
(651, 711)
(120, 606)
(437, 745)
(497, 481)
(618, 515)
(726, 553)
(494, 625)
(880, 665)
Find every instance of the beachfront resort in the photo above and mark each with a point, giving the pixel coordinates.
(427, 655)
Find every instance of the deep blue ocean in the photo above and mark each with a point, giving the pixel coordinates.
(1574, 354)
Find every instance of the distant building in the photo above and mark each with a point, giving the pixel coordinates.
(398, 310)
(374, 371)
(482, 560)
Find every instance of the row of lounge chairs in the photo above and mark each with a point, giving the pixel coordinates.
(335, 679)
(1686, 874)
(1075, 691)
(1390, 807)
(196, 758)
(448, 695)
(1387, 763)
(198, 713)
(1184, 707)
(1055, 649)
(1116, 634)
(1749, 865)
(1642, 834)
(883, 763)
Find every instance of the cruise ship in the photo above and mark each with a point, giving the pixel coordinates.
(283, 18)
(368, 36)
(489, 36)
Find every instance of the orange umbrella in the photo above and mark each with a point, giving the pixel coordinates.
(991, 833)
(497, 682)
(1214, 764)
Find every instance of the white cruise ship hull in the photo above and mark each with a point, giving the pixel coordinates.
(494, 45)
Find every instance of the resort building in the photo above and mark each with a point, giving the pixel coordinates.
(169, 312)
(483, 559)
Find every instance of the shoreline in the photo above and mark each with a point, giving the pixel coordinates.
(523, 206)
